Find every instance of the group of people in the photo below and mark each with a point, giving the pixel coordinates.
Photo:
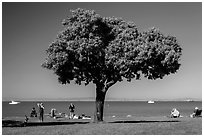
(175, 113)
(53, 112)
(40, 111)
(73, 116)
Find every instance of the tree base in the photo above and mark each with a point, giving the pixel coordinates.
(99, 122)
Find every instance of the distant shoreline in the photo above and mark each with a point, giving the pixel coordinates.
(105, 100)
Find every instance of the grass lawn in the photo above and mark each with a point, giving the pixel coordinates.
(111, 126)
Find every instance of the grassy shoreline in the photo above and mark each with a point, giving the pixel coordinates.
(111, 126)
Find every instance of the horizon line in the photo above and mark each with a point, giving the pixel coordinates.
(110, 99)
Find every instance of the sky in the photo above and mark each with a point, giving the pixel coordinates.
(29, 28)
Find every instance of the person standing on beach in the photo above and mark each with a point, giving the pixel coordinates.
(71, 108)
(41, 111)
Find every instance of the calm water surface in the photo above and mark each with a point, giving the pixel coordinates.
(117, 108)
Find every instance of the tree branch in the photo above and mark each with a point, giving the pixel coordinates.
(108, 84)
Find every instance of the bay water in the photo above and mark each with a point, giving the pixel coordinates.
(111, 108)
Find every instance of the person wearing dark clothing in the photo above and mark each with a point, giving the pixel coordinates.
(53, 111)
(41, 111)
(71, 108)
(197, 112)
(33, 113)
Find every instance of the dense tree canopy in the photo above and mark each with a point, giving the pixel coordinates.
(94, 49)
(105, 50)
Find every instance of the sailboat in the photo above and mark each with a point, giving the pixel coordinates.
(14, 102)
(150, 102)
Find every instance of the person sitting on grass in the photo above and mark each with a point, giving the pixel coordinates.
(53, 112)
(25, 121)
(175, 113)
(197, 113)
(33, 113)
(83, 116)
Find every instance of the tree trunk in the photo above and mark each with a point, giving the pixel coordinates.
(100, 98)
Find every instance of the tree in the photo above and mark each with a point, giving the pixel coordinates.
(107, 50)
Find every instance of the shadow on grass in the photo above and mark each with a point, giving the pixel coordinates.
(53, 123)
(144, 121)
(12, 123)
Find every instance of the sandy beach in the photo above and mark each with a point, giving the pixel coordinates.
(110, 126)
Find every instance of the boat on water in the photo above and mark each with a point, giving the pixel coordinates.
(189, 100)
(150, 102)
(14, 102)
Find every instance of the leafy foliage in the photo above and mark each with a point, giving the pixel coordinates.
(106, 50)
